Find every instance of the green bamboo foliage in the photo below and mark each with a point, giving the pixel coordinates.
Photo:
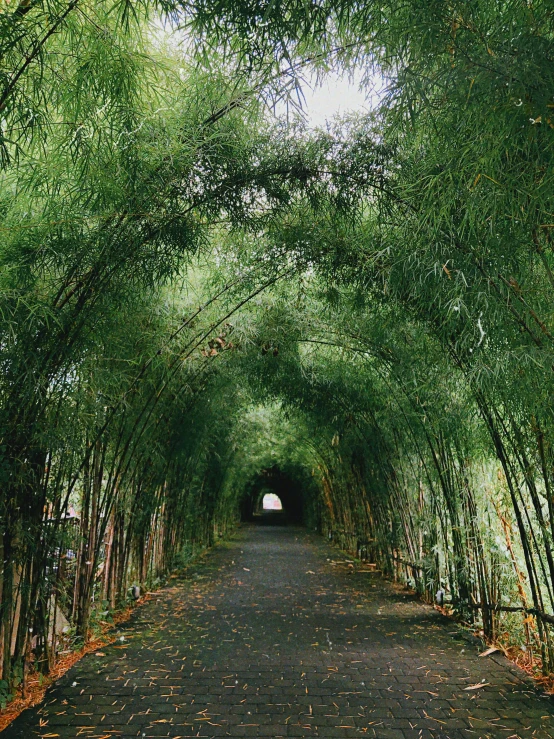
(196, 301)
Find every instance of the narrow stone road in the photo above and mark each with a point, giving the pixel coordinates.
(275, 635)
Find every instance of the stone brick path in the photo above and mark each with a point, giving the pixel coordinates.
(268, 637)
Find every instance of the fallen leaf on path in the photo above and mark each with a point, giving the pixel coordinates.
(476, 686)
(490, 650)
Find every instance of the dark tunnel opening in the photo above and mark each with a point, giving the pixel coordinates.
(276, 482)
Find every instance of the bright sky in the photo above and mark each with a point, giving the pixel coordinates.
(337, 95)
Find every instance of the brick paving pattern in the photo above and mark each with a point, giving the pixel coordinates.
(269, 637)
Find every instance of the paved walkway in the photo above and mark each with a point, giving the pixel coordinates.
(267, 637)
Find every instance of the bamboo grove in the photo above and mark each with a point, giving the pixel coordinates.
(199, 294)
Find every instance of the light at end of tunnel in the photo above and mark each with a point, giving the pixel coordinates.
(272, 502)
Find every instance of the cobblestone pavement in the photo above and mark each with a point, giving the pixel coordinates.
(268, 636)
